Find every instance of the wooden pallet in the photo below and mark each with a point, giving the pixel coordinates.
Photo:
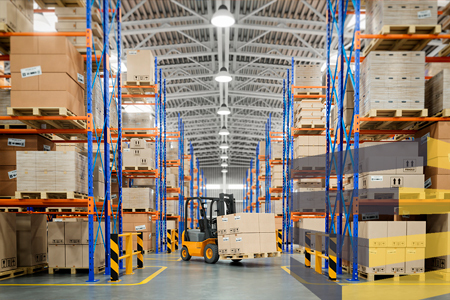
(140, 90)
(136, 168)
(48, 124)
(73, 271)
(378, 276)
(137, 209)
(60, 3)
(13, 273)
(402, 44)
(13, 209)
(37, 268)
(250, 255)
(15, 126)
(49, 195)
(63, 209)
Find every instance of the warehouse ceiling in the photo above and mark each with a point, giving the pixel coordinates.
(256, 50)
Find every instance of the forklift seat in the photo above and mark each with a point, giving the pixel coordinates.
(195, 235)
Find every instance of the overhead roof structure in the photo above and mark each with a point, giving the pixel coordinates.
(256, 50)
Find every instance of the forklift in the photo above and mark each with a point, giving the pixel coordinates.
(202, 242)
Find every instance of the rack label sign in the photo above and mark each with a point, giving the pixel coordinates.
(80, 78)
(32, 71)
(139, 228)
(132, 52)
(424, 14)
(376, 178)
(427, 183)
(47, 148)
(12, 174)
(16, 142)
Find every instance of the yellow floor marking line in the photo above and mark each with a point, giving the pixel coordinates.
(146, 280)
(179, 259)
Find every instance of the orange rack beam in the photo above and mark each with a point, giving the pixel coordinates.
(7, 34)
(309, 96)
(308, 87)
(275, 190)
(172, 190)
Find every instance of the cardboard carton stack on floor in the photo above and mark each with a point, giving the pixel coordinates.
(48, 71)
(140, 223)
(140, 66)
(73, 19)
(31, 235)
(140, 154)
(9, 145)
(308, 111)
(401, 72)
(8, 246)
(245, 233)
(392, 247)
(412, 12)
(437, 92)
(17, 16)
(68, 244)
(137, 197)
(52, 171)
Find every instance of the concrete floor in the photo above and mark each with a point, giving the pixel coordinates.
(250, 279)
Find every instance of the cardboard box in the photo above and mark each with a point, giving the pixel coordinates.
(223, 225)
(439, 182)
(438, 130)
(140, 66)
(47, 82)
(57, 256)
(8, 187)
(74, 256)
(416, 234)
(8, 14)
(415, 260)
(56, 234)
(8, 158)
(8, 246)
(245, 243)
(372, 260)
(374, 234)
(224, 242)
(73, 233)
(99, 259)
(267, 242)
(266, 222)
(396, 233)
(395, 260)
(31, 240)
(244, 223)
(97, 233)
(25, 142)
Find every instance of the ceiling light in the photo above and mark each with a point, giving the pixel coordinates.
(222, 17)
(224, 110)
(224, 156)
(224, 164)
(223, 75)
(224, 170)
(224, 146)
(224, 131)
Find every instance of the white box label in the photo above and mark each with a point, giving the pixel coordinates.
(391, 251)
(237, 218)
(376, 178)
(424, 139)
(113, 196)
(238, 239)
(424, 14)
(16, 142)
(132, 52)
(126, 150)
(47, 148)
(224, 219)
(225, 239)
(32, 71)
(411, 251)
(427, 183)
(80, 78)
(139, 228)
(12, 174)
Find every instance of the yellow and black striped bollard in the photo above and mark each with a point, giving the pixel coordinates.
(279, 240)
(140, 248)
(332, 257)
(169, 241)
(176, 239)
(114, 257)
(308, 249)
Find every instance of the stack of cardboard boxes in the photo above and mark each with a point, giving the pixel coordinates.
(52, 171)
(48, 71)
(9, 145)
(140, 223)
(68, 245)
(17, 15)
(437, 92)
(8, 246)
(140, 154)
(137, 197)
(392, 80)
(73, 19)
(392, 247)
(244, 233)
(31, 233)
(308, 111)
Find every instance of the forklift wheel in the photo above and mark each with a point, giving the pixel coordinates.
(211, 253)
(185, 254)
(236, 260)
